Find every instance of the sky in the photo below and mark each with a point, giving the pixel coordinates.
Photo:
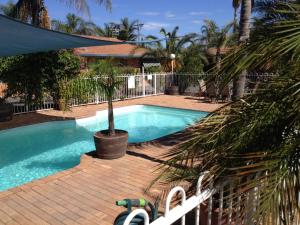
(154, 14)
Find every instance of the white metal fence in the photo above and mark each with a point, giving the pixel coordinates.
(133, 86)
(212, 206)
(178, 212)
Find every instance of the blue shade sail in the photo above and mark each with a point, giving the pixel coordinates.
(17, 38)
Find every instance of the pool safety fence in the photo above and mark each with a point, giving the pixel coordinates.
(132, 86)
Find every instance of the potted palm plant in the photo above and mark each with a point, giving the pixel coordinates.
(110, 143)
(6, 110)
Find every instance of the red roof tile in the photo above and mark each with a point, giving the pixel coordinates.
(117, 50)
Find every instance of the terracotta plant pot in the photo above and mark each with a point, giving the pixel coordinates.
(6, 112)
(111, 147)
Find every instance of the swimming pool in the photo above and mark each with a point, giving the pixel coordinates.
(31, 152)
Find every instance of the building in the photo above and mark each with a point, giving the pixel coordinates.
(125, 54)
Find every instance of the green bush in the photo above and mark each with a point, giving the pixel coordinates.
(154, 69)
(192, 60)
(35, 75)
(102, 67)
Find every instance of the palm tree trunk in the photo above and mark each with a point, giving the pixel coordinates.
(244, 34)
(246, 11)
(235, 20)
(111, 124)
(218, 58)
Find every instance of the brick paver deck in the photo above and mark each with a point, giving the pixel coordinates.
(87, 193)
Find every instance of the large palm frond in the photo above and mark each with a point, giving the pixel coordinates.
(277, 38)
(128, 29)
(82, 5)
(75, 25)
(173, 45)
(106, 31)
(254, 143)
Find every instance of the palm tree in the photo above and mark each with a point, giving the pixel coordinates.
(74, 25)
(105, 32)
(254, 143)
(108, 82)
(215, 37)
(173, 45)
(128, 29)
(32, 10)
(244, 35)
(209, 30)
(236, 5)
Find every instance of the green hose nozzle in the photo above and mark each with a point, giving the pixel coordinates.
(132, 202)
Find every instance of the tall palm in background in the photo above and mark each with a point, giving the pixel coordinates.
(254, 143)
(74, 25)
(33, 10)
(173, 45)
(244, 35)
(128, 30)
(106, 31)
(215, 37)
(236, 5)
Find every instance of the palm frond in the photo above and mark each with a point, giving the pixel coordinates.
(253, 142)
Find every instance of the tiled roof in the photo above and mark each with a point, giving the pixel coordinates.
(117, 50)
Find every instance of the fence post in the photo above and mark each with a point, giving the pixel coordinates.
(143, 81)
(97, 92)
(155, 77)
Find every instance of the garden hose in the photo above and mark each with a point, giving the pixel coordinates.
(137, 203)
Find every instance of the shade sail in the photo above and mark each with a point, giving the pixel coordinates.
(18, 38)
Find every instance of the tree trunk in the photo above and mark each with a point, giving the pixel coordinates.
(111, 124)
(235, 20)
(244, 34)
(218, 59)
(246, 10)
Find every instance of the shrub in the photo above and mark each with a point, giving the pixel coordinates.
(35, 75)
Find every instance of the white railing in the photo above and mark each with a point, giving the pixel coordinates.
(213, 205)
(134, 86)
(178, 212)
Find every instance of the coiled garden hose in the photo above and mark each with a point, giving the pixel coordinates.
(137, 203)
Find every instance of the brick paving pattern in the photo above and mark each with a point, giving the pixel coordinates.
(86, 194)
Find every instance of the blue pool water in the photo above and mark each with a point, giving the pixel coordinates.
(31, 152)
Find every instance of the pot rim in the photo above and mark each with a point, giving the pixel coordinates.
(103, 134)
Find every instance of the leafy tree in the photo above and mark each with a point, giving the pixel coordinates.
(34, 75)
(74, 25)
(57, 66)
(254, 142)
(193, 60)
